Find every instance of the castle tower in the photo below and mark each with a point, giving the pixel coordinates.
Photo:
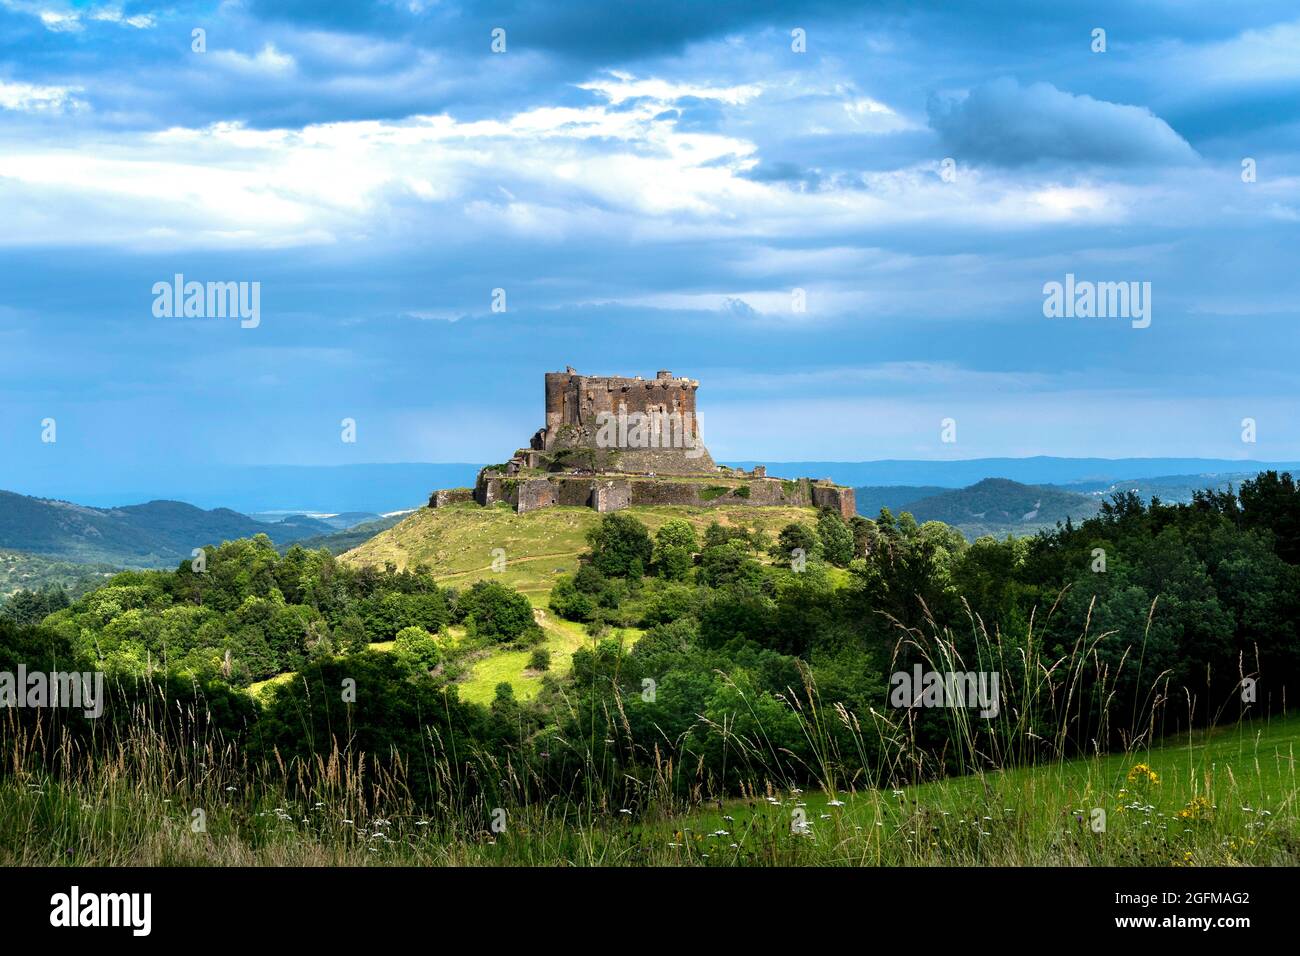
(632, 425)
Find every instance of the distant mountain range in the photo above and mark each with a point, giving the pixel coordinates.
(1001, 506)
(1039, 470)
(258, 489)
(155, 534)
(380, 489)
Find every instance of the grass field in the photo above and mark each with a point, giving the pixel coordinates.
(511, 667)
(458, 543)
(1222, 797)
(562, 639)
(1226, 797)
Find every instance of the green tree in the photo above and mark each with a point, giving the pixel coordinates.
(836, 538)
(496, 612)
(620, 546)
(417, 647)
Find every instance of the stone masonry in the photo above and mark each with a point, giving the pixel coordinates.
(612, 442)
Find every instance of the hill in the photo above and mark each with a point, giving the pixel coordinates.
(995, 506)
(154, 534)
(457, 543)
(999, 504)
(20, 570)
(338, 542)
(897, 498)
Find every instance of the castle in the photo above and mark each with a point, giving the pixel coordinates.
(610, 442)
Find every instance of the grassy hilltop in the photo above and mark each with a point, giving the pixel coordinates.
(456, 544)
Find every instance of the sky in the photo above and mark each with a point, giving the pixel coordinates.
(840, 217)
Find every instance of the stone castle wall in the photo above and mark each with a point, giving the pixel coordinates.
(451, 496)
(614, 494)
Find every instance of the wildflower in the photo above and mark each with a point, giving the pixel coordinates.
(1141, 773)
(1198, 808)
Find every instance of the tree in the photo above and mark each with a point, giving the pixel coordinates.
(677, 534)
(620, 546)
(1271, 502)
(496, 612)
(350, 635)
(674, 553)
(729, 563)
(836, 538)
(796, 537)
(570, 603)
(417, 647)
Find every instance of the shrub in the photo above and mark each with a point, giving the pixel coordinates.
(620, 546)
(495, 611)
(570, 603)
(417, 647)
(540, 660)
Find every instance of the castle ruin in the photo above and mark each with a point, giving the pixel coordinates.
(611, 442)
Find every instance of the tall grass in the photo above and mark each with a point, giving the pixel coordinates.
(1023, 788)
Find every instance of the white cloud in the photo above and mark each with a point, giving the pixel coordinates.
(64, 18)
(31, 98)
(624, 173)
(624, 86)
(141, 21)
(268, 61)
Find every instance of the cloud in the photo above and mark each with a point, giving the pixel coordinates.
(1005, 124)
(64, 18)
(30, 98)
(620, 86)
(267, 61)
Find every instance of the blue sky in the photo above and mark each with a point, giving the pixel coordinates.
(648, 183)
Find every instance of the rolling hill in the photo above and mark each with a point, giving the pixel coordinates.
(1000, 502)
(155, 534)
(993, 506)
(457, 543)
(350, 537)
